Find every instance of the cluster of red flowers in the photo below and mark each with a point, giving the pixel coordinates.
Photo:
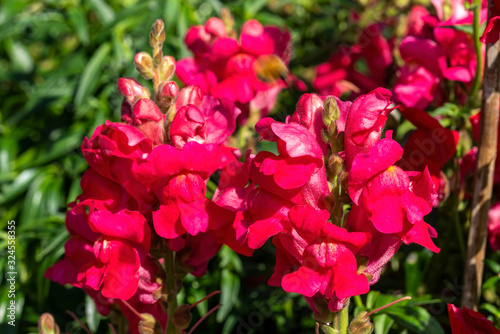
(145, 193)
(289, 198)
(431, 49)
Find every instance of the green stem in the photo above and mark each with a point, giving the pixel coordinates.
(479, 57)
(358, 301)
(341, 319)
(456, 217)
(171, 290)
(344, 318)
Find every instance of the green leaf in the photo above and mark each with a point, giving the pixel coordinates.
(91, 314)
(490, 308)
(19, 186)
(79, 21)
(104, 11)
(229, 324)
(415, 268)
(382, 323)
(494, 266)
(19, 56)
(467, 28)
(415, 319)
(230, 288)
(371, 298)
(490, 282)
(91, 74)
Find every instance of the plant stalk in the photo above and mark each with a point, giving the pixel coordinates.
(483, 179)
(171, 290)
(476, 84)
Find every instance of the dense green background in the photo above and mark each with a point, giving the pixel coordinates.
(59, 64)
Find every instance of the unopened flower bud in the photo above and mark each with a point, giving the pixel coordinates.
(166, 94)
(157, 35)
(228, 20)
(331, 113)
(325, 329)
(144, 64)
(47, 324)
(335, 164)
(167, 68)
(216, 27)
(169, 89)
(189, 95)
(182, 316)
(149, 325)
(129, 87)
(361, 324)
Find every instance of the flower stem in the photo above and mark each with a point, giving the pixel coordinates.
(344, 318)
(341, 319)
(476, 84)
(483, 179)
(171, 290)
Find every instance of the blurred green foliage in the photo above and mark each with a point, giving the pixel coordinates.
(59, 64)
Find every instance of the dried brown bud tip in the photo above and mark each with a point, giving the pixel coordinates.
(182, 316)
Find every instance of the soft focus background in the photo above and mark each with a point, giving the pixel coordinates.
(59, 64)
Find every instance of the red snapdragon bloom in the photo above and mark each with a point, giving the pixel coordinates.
(139, 111)
(211, 121)
(430, 145)
(492, 32)
(494, 226)
(112, 150)
(385, 191)
(324, 255)
(418, 82)
(178, 179)
(365, 119)
(339, 76)
(465, 321)
(105, 252)
(226, 67)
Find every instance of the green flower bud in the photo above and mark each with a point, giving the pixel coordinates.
(144, 64)
(167, 68)
(47, 324)
(149, 325)
(361, 324)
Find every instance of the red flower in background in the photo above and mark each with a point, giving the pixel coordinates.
(492, 32)
(339, 75)
(465, 321)
(228, 68)
(430, 146)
